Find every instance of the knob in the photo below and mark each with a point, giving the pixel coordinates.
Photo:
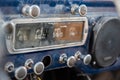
(63, 58)
(71, 61)
(38, 68)
(9, 27)
(85, 58)
(82, 9)
(32, 11)
(9, 67)
(29, 63)
(20, 73)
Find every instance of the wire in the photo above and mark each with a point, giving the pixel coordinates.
(38, 78)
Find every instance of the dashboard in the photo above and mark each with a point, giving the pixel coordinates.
(46, 35)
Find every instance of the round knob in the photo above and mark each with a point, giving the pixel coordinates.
(71, 61)
(85, 58)
(82, 10)
(9, 27)
(20, 73)
(32, 11)
(38, 68)
(63, 58)
(9, 67)
(29, 63)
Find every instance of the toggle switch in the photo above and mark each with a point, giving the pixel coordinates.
(85, 58)
(69, 61)
(63, 58)
(74, 9)
(29, 63)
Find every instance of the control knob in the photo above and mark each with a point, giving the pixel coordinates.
(85, 58)
(20, 73)
(32, 11)
(9, 67)
(38, 68)
(82, 9)
(9, 27)
(71, 61)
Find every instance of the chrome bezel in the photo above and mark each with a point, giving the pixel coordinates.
(11, 41)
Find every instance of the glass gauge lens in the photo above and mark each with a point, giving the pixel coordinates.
(68, 31)
(32, 35)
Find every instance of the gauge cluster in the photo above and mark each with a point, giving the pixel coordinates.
(45, 34)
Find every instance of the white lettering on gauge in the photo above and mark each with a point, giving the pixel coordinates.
(72, 32)
(39, 34)
(22, 35)
(58, 33)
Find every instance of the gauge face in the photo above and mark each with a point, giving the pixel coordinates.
(69, 31)
(31, 35)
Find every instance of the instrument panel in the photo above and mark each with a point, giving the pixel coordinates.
(53, 34)
(45, 34)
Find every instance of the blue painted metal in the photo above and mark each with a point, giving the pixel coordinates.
(13, 7)
(53, 2)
